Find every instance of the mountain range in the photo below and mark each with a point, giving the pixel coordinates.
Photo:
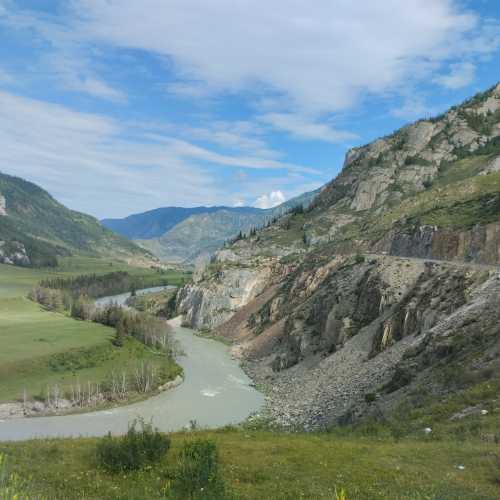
(35, 229)
(178, 234)
(381, 299)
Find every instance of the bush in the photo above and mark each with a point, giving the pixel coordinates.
(197, 476)
(370, 397)
(134, 450)
(359, 259)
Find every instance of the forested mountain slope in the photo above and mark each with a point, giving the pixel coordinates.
(35, 229)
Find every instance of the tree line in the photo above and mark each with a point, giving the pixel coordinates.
(101, 285)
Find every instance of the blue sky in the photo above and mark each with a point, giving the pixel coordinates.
(116, 106)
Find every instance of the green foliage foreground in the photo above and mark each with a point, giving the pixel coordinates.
(251, 464)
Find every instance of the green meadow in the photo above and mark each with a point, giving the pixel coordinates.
(282, 466)
(41, 348)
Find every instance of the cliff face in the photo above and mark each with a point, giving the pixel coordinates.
(479, 244)
(328, 304)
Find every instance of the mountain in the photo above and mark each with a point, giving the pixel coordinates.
(155, 223)
(202, 234)
(381, 299)
(186, 234)
(35, 229)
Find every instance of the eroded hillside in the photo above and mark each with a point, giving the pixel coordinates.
(342, 310)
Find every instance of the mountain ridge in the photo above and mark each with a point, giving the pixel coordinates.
(383, 289)
(35, 229)
(155, 223)
(193, 236)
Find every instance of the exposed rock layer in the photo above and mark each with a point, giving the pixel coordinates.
(361, 297)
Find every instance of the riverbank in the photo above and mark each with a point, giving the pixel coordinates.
(48, 351)
(68, 407)
(215, 393)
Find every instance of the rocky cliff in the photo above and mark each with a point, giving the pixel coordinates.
(327, 306)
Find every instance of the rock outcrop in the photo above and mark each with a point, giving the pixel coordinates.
(379, 284)
(3, 205)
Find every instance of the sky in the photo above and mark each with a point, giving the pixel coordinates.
(120, 106)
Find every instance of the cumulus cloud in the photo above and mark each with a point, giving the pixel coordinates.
(273, 199)
(320, 56)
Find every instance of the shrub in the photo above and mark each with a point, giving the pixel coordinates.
(359, 259)
(197, 475)
(134, 450)
(370, 397)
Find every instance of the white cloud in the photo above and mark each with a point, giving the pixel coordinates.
(108, 167)
(320, 55)
(189, 150)
(83, 160)
(273, 199)
(95, 87)
(68, 58)
(242, 136)
(303, 128)
(413, 108)
(460, 75)
(189, 90)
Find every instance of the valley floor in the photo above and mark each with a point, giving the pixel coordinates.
(267, 466)
(45, 351)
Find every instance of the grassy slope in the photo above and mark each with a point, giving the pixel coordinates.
(33, 213)
(31, 337)
(264, 465)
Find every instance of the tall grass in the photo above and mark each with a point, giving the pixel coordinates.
(12, 486)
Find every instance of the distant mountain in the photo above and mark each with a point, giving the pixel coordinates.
(155, 223)
(35, 229)
(184, 234)
(202, 234)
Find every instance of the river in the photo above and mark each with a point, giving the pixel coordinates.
(215, 392)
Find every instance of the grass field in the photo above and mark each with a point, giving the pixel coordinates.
(32, 340)
(267, 466)
(18, 281)
(41, 348)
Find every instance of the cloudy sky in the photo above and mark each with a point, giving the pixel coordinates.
(119, 106)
